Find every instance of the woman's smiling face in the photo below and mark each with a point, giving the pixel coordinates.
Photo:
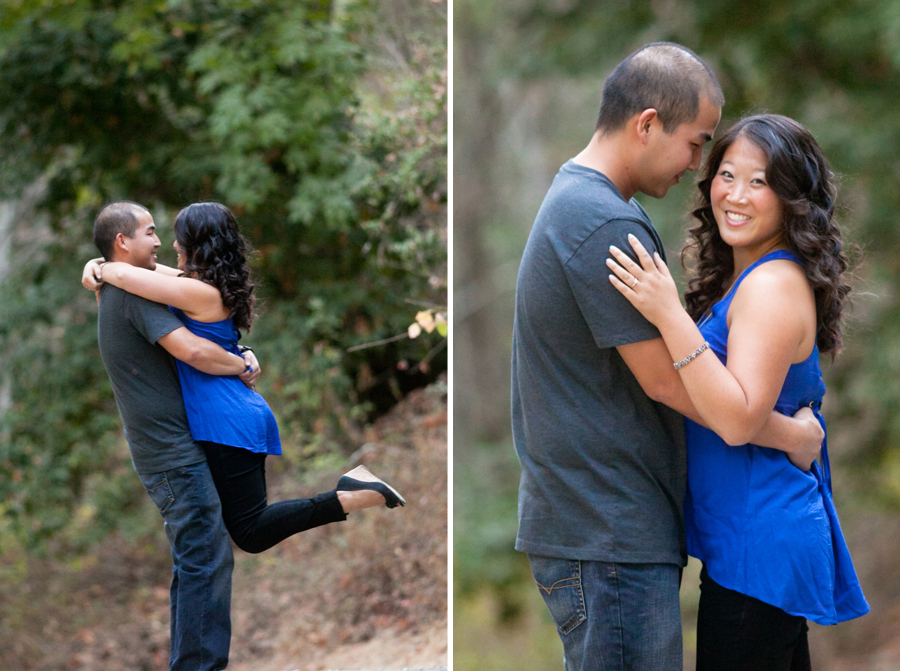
(747, 211)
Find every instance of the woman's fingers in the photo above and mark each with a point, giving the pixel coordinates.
(643, 256)
(620, 273)
(625, 261)
(620, 285)
(661, 265)
(651, 270)
(647, 263)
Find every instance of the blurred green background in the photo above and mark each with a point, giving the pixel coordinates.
(527, 81)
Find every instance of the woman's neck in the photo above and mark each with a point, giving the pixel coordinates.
(745, 257)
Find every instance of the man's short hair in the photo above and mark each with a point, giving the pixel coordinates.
(115, 218)
(663, 76)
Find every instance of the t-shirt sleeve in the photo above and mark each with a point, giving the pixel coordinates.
(152, 320)
(613, 321)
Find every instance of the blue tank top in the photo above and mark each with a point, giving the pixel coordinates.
(221, 409)
(761, 526)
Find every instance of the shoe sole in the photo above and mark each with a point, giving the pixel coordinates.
(352, 484)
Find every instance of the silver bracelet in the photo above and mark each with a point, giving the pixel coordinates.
(690, 357)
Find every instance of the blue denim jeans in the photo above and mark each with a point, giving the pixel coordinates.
(202, 564)
(613, 617)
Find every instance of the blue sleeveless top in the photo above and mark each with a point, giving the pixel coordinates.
(760, 525)
(221, 409)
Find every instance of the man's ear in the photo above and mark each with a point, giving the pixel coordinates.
(121, 241)
(645, 123)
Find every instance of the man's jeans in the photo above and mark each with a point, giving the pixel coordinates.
(613, 617)
(201, 574)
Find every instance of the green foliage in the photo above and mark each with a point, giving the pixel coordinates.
(530, 643)
(332, 157)
(486, 489)
(62, 425)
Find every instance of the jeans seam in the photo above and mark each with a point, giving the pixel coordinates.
(192, 488)
(203, 612)
(557, 585)
(581, 594)
(621, 628)
(582, 611)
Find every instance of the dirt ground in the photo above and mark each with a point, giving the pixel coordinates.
(388, 649)
(368, 593)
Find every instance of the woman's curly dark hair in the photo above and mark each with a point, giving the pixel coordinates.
(798, 174)
(216, 253)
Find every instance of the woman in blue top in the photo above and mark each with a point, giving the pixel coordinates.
(765, 300)
(211, 292)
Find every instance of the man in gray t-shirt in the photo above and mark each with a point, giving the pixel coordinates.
(594, 392)
(145, 380)
(594, 447)
(138, 340)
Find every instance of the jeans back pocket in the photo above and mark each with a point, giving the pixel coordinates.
(159, 491)
(559, 582)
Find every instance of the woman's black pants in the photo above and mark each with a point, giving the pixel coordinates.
(736, 632)
(255, 526)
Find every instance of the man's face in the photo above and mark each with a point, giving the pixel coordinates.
(667, 158)
(143, 244)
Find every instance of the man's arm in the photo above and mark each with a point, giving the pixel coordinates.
(202, 354)
(208, 357)
(651, 364)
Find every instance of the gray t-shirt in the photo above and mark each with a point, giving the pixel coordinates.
(145, 381)
(603, 466)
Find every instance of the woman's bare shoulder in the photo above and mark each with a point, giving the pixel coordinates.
(777, 292)
(776, 280)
